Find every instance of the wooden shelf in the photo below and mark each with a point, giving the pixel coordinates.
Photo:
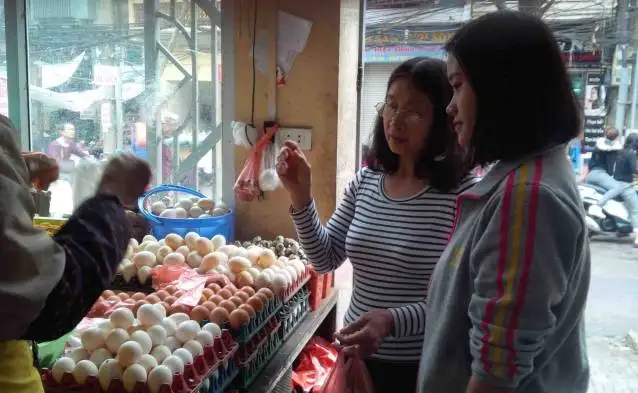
(292, 347)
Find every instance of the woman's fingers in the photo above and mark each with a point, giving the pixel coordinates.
(353, 327)
(291, 145)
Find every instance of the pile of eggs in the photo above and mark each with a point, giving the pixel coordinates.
(254, 266)
(149, 349)
(194, 207)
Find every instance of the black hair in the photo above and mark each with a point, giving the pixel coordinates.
(439, 160)
(524, 97)
(631, 142)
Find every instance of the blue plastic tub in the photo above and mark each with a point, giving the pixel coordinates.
(162, 226)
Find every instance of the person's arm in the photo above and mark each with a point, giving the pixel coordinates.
(325, 245)
(520, 268)
(47, 285)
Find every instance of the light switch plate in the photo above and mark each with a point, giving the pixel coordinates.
(302, 136)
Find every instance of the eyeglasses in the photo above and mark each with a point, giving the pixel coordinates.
(388, 112)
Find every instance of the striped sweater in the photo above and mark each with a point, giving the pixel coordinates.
(393, 245)
(507, 299)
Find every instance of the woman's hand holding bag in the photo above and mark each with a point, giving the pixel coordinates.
(349, 375)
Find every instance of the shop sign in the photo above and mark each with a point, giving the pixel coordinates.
(105, 75)
(595, 108)
(399, 53)
(405, 36)
(106, 116)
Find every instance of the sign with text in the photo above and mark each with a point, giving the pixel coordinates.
(400, 53)
(406, 36)
(595, 109)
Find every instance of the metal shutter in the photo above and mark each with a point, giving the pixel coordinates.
(375, 79)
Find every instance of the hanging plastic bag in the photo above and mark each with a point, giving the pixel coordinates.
(349, 375)
(247, 184)
(315, 362)
(268, 177)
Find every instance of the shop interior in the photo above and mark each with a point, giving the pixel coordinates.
(193, 87)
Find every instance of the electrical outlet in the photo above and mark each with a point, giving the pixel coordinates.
(302, 136)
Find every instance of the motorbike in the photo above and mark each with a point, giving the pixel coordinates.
(610, 219)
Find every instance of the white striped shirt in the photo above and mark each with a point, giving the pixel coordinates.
(393, 245)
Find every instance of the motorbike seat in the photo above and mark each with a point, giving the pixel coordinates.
(595, 187)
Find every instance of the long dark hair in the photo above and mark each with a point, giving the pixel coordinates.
(524, 98)
(439, 160)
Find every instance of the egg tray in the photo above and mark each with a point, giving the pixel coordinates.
(293, 312)
(221, 380)
(216, 357)
(259, 340)
(256, 323)
(120, 284)
(301, 281)
(251, 366)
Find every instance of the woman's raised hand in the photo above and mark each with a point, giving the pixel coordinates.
(293, 169)
(126, 177)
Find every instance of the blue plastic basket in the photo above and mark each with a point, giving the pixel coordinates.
(162, 226)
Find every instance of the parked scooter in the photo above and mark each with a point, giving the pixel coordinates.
(611, 219)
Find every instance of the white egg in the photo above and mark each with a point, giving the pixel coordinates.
(169, 325)
(190, 240)
(169, 213)
(160, 309)
(133, 375)
(148, 315)
(218, 241)
(187, 331)
(74, 342)
(78, 354)
(174, 363)
(185, 203)
(129, 352)
(180, 317)
(115, 339)
(162, 252)
(149, 238)
(213, 329)
(293, 272)
(105, 325)
(195, 212)
(84, 369)
(143, 338)
(184, 354)
(160, 353)
(174, 258)
(92, 339)
(180, 212)
(144, 273)
(184, 250)
(99, 356)
(122, 318)
(159, 376)
(134, 243)
(62, 366)
(158, 207)
(108, 371)
(194, 259)
(152, 247)
(194, 347)
(148, 362)
(173, 343)
(157, 334)
(145, 258)
(129, 270)
(205, 338)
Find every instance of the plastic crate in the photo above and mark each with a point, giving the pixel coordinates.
(162, 226)
(293, 312)
(250, 367)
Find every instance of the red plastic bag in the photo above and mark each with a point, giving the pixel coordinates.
(247, 184)
(349, 375)
(315, 363)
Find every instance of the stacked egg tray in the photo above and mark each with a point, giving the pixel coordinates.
(293, 312)
(296, 286)
(253, 357)
(216, 365)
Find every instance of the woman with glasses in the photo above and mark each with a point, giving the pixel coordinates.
(507, 299)
(392, 224)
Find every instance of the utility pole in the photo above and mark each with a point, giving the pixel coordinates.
(623, 89)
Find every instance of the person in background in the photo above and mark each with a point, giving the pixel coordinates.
(624, 170)
(66, 146)
(506, 301)
(169, 126)
(49, 284)
(392, 224)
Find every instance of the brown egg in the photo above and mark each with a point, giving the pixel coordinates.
(123, 295)
(242, 295)
(170, 300)
(228, 305)
(170, 289)
(200, 313)
(225, 293)
(114, 299)
(179, 293)
(261, 296)
(98, 310)
(267, 292)
(208, 293)
(137, 305)
(138, 296)
(248, 308)
(107, 294)
(219, 315)
(152, 299)
(166, 306)
(255, 303)
(162, 294)
(216, 299)
(214, 287)
(231, 287)
(210, 306)
(248, 290)
(237, 300)
(238, 318)
(175, 308)
(129, 301)
(202, 300)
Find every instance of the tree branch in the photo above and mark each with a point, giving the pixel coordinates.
(545, 7)
(500, 4)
